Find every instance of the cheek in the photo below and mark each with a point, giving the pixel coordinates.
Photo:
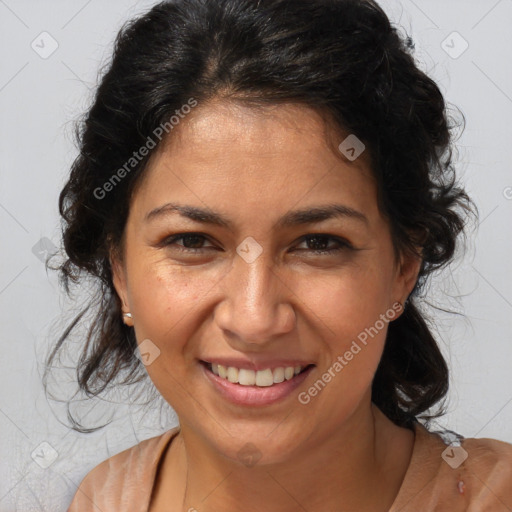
(166, 303)
(163, 296)
(348, 300)
(352, 310)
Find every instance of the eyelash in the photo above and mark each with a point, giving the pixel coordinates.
(342, 244)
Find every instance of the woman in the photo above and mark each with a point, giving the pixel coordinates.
(263, 187)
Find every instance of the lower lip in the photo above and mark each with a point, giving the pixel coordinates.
(255, 395)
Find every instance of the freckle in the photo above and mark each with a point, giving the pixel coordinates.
(461, 487)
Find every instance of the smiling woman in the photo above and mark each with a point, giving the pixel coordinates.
(262, 263)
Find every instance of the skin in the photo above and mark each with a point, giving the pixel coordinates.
(254, 166)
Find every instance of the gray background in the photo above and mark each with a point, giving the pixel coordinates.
(40, 98)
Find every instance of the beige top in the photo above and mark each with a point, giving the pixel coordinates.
(482, 483)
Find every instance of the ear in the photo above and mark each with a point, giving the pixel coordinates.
(119, 281)
(408, 269)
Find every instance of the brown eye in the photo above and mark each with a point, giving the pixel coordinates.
(192, 242)
(319, 243)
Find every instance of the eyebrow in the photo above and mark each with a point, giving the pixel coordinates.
(308, 215)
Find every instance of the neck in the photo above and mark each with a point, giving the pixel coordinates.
(360, 465)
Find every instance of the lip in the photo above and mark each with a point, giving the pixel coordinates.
(257, 365)
(255, 395)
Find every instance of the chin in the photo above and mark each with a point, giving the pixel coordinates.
(256, 444)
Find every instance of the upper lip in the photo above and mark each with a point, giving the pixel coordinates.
(256, 365)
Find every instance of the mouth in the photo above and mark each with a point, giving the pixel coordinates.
(244, 386)
(260, 378)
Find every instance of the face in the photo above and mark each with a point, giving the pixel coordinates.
(254, 286)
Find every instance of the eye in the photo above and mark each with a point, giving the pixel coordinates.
(194, 243)
(189, 239)
(320, 243)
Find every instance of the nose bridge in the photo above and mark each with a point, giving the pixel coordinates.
(257, 279)
(254, 306)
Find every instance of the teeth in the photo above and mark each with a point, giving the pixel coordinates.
(264, 378)
(246, 377)
(261, 378)
(222, 371)
(233, 374)
(279, 375)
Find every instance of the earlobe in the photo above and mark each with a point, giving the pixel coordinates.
(119, 282)
(410, 266)
(117, 278)
(413, 272)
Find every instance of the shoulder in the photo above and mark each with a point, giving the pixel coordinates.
(125, 479)
(488, 452)
(475, 474)
(488, 470)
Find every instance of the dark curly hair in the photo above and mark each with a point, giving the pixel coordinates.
(340, 57)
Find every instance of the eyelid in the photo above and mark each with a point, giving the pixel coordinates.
(342, 243)
(171, 239)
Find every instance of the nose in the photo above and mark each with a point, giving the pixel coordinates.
(255, 308)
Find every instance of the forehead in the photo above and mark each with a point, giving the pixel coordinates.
(274, 152)
(233, 127)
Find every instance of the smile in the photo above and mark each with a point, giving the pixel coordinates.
(245, 386)
(261, 378)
